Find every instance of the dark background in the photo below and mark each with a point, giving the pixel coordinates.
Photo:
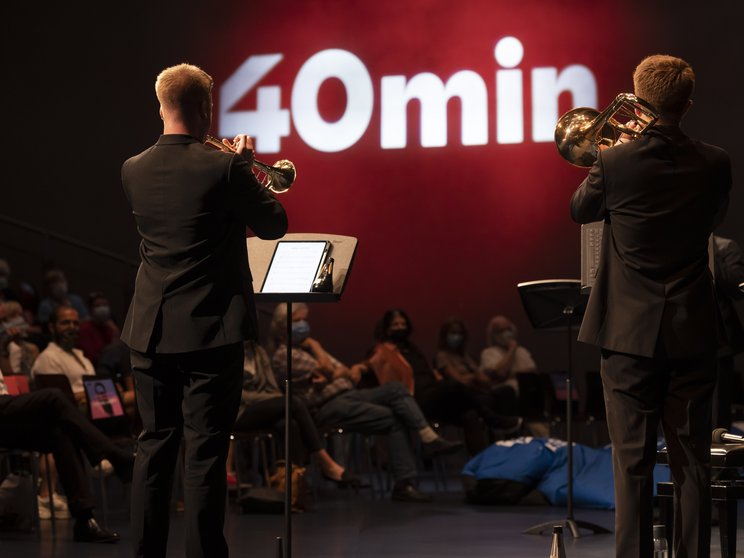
(442, 231)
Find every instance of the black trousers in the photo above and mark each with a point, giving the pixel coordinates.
(640, 394)
(47, 421)
(194, 396)
(269, 414)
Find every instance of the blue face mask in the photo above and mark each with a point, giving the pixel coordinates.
(300, 331)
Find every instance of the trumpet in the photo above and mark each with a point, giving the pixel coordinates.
(581, 131)
(277, 178)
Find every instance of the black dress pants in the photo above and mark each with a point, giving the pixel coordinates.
(48, 422)
(194, 396)
(641, 393)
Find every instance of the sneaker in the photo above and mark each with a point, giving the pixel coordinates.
(104, 468)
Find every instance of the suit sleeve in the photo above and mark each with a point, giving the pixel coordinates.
(252, 204)
(725, 182)
(588, 201)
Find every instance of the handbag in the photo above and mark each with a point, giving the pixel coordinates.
(277, 481)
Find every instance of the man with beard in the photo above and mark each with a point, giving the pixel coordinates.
(61, 356)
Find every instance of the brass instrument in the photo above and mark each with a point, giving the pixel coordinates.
(278, 178)
(581, 131)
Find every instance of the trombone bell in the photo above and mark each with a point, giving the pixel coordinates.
(581, 131)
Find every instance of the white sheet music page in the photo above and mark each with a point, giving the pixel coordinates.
(294, 266)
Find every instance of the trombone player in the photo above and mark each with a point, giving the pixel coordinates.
(652, 309)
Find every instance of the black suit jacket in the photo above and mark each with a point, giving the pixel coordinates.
(192, 204)
(660, 197)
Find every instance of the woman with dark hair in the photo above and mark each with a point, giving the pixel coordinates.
(397, 358)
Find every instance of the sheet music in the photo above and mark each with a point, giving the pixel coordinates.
(294, 266)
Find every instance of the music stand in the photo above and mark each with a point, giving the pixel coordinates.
(554, 305)
(343, 250)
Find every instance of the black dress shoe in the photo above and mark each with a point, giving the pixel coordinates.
(88, 530)
(348, 480)
(406, 492)
(440, 446)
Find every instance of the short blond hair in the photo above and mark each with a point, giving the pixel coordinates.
(184, 88)
(667, 82)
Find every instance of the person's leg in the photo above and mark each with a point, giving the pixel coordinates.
(211, 397)
(159, 390)
(444, 402)
(686, 420)
(350, 412)
(633, 389)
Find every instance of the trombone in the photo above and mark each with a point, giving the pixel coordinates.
(277, 178)
(581, 131)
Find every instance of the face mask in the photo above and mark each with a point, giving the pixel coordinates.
(300, 331)
(17, 322)
(101, 313)
(3, 282)
(398, 335)
(454, 340)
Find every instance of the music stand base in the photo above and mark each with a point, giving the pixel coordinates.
(571, 526)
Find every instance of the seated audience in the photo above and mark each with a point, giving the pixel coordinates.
(262, 408)
(327, 387)
(61, 356)
(395, 358)
(55, 286)
(45, 421)
(22, 353)
(503, 359)
(24, 294)
(100, 331)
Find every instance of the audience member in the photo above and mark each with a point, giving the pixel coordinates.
(262, 407)
(454, 363)
(503, 359)
(729, 274)
(395, 358)
(45, 421)
(21, 352)
(101, 330)
(55, 286)
(327, 387)
(6, 291)
(61, 356)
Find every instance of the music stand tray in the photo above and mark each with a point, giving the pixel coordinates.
(555, 305)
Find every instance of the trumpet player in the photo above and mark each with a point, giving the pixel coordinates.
(652, 309)
(192, 309)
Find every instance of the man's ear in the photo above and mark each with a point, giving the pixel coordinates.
(160, 112)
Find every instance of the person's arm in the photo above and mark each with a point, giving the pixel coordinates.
(588, 201)
(448, 367)
(498, 370)
(251, 203)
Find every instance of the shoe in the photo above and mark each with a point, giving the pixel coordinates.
(406, 492)
(104, 467)
(348, 480)
(440, 446)
(88, 530)
(61, 511)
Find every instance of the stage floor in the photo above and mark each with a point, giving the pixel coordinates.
(343, 524)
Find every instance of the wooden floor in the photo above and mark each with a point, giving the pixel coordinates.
(344, 524)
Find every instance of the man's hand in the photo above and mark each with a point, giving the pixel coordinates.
(243, 146)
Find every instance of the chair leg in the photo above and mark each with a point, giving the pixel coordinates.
(34, 487)
(727, 521)
(51, 495)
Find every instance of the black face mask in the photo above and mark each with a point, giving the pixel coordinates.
(398, 335)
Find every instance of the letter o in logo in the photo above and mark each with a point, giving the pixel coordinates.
(345, 132)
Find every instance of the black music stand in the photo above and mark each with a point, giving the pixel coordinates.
(558, 305)
(343, 250)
